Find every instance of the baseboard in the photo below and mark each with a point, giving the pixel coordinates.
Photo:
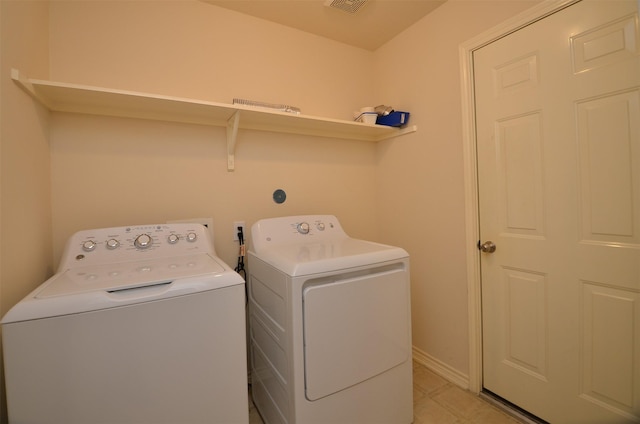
(443, 370)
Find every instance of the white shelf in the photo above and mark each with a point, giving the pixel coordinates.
(64, 97)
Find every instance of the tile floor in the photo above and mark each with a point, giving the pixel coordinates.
(437, 401)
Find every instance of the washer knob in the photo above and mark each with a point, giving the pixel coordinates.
(112, 244)
(191, 237)
(320, 226)
(173, 238)
(143, 241)
(89, 245)
(303, 228)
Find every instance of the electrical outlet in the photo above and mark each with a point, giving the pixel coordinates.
(237, 224)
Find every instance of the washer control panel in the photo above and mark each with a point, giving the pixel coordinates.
(109, 245)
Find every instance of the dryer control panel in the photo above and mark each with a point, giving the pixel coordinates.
(295, 229)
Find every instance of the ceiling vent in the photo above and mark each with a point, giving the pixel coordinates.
(349, 6)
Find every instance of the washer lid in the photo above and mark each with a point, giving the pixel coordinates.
(127, 275)
(329, 255)
(92, 288)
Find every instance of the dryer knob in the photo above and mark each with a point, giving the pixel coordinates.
(173, 238)
(143, 241)
(303, 228)
(192, 237)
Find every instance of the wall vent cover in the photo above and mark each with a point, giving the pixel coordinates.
(349, 6)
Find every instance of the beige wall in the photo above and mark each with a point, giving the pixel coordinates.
(25, 205)
(191, 49)
(420, 187)
(112, 171)
(108, 172)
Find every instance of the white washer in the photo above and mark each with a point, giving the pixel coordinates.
(330, 329)
(140, 325)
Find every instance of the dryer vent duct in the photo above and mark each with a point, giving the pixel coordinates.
(349, 6)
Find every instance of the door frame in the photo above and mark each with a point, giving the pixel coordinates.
(472, 226)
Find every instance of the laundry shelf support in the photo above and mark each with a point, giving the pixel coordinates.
(27, 86)
(232, 134)
(75, 98)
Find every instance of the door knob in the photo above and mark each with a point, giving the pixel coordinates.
(487, 246)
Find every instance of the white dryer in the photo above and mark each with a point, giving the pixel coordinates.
(330, 325)
(139, 325)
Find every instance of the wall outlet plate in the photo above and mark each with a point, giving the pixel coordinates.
(237, 224)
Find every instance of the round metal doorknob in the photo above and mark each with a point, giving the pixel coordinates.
(488, 247)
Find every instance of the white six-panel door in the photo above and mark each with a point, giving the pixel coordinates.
(558, 144)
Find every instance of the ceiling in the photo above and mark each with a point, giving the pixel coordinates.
(372, 25)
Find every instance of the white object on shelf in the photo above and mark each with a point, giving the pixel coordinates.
(65, 97)
(265, 105)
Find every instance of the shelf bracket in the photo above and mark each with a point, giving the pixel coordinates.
(26, 85)
(232, 135)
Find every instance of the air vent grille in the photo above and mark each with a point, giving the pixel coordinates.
(349, 6)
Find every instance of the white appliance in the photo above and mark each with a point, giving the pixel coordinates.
(330, 329)
(140, 324)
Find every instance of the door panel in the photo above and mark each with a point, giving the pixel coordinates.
(519, 165)
(606, 135)
(526, 321)
(558, 133)
(607, 369)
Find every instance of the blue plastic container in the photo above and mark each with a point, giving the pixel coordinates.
(394, 119)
